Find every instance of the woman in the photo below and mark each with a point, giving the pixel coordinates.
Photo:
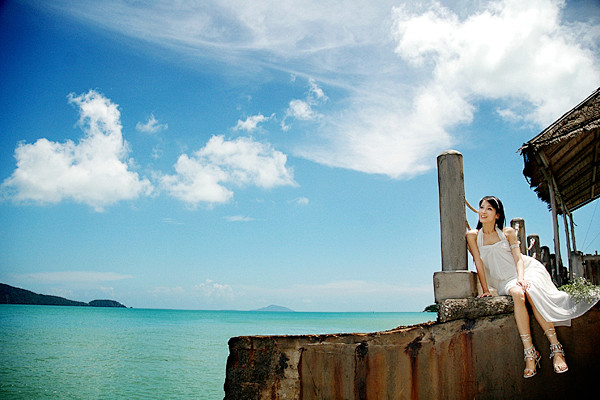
(500, 264)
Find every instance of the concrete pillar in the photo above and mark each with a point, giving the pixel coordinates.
(451, 184)
(533, 241)
(577, 264)
(545, 259)
(455, 281)
(520, 232)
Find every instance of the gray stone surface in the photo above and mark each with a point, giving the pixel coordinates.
(473, 307)
(454, 285)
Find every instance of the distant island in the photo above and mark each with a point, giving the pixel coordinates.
(13, 295)
(275, 308)
(431, 308)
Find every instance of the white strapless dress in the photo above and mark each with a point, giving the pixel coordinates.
(555, 305)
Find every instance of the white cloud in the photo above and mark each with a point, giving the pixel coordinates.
(196, 181)
(206, 176)
(206, 294)
(405, 76)
(400, 113)
(157, 152)
(301, 201)
(75, 277)
(171, 221)
(251, 123)
(303, 109)
(239, 218)
(95, 171)
(167, 291)
(151, 126)
(315, 93)
(215, 291)
(513, 50)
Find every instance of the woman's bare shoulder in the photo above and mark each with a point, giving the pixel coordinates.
(472, 233)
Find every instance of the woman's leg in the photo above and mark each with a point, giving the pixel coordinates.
(520, 310)
(522, 320)
(559, 361)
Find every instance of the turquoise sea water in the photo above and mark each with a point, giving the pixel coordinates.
(49, 352)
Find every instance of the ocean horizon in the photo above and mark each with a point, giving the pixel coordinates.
(63, 352)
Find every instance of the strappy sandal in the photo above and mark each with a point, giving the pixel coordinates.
(556, 349)
(532, 353)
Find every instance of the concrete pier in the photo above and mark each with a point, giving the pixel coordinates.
(454, 281)
(468, 358)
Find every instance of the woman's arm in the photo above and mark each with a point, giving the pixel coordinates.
(472, 244)
(515, 250)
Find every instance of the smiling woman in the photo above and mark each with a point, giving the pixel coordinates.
(500, 265)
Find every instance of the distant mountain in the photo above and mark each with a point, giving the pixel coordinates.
(273, 307)
(13, 295)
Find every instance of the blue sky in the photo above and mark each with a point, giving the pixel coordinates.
(211, 155)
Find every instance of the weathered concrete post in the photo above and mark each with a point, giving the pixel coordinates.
(533, 246)
(545, 259)
(455, 281)
(520, 233)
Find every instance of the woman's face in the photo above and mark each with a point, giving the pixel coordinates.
(487, 213)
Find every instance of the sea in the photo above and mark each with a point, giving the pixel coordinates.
(59, 352)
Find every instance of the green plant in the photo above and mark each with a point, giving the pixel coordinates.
(582, 290)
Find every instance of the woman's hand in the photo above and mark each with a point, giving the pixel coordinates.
(485, 294)
(524, 284)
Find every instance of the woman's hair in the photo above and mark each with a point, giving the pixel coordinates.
(496, 205)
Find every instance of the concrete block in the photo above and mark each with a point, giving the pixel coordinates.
(473, 307)
(454, 285)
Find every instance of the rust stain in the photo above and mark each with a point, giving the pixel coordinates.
(378, 377)
(361, 370)
(412, 350)
(338, 379)
(466, 338)
(300, 372)
(460, 348)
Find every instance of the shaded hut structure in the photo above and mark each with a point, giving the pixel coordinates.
(562, 165)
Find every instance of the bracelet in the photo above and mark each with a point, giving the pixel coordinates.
(513, 246)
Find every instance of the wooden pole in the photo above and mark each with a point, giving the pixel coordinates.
(555, 226)
(550, 182)
(572, 224)
(568, 241)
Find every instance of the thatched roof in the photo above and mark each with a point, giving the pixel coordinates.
(567, 151)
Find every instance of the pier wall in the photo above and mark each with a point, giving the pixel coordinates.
(467, 358)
